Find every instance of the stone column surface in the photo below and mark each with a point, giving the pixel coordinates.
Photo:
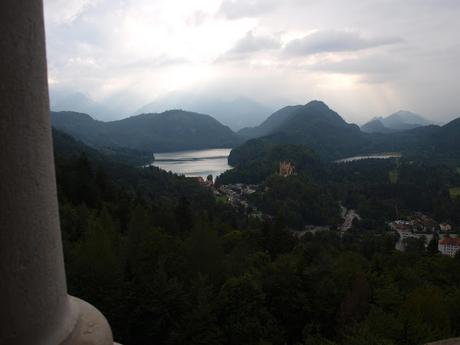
(34, 305)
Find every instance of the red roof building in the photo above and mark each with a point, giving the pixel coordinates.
(449, 246)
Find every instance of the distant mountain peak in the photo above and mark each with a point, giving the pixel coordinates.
(81, 103)
(402, 112)
(317, 103)
(375, 126)
(236, 112)
(398, 121)
(75, 115)
(313, 124)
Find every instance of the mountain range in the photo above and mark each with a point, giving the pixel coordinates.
(314, 125)
(320, 128)
(236, 113)
(79, 102)
(172, 130)
(399, 121)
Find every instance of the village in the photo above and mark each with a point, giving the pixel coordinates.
(421, 227)
(237, 194)
(417, 226)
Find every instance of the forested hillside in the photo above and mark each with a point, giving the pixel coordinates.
(173, 130)
(320, 128)
(316, 126)
(167, 262)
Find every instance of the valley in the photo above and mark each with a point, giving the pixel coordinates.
(299, 212)
(230, 172)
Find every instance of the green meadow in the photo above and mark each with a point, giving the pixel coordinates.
(454, 192)
(393, 175)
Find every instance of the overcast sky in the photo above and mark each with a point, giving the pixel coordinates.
(364, 58)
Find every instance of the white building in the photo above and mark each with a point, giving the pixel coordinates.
(445, 227)
(449, 246)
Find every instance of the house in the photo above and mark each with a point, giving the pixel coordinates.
(423, 223)
(401, 226)
(199, 179)
(406, 230)
(449, 246)
(444, 227)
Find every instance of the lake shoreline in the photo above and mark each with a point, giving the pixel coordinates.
(194, 163)
(385, 155)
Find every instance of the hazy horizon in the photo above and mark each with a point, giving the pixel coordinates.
(364, 59)
(163, 107)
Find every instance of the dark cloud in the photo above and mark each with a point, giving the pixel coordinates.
(335, 41)
(234, 9)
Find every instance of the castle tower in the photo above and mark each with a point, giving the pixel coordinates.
(286, 169)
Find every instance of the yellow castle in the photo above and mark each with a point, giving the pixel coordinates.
(286, 169)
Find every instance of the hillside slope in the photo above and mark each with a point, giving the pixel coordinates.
(314, 125)
(271, 124)
(235, 113)
(323, 130)
(169, 131)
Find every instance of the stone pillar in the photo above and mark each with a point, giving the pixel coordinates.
(34, 305)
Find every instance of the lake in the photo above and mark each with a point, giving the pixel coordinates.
(194, 163)
(372, 156)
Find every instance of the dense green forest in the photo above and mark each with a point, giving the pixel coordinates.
(167, 263)
(380, 190)
(259, 158)
(314, 125)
